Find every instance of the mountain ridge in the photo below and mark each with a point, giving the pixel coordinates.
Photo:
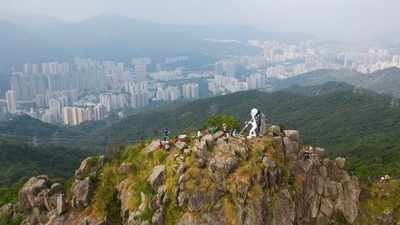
(119, 38)
(385, 81)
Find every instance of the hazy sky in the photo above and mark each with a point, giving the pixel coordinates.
(334, 19)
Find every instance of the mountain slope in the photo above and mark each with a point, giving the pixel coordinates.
(20, 161)
(30, 147)
(382, 81)
(37, 132)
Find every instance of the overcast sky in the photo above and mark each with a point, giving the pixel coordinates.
(334, 19)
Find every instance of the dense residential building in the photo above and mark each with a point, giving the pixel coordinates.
(256, 81)
(139, 100)
(190, 91)
(169, 93)
(11, 97)
(76, 115)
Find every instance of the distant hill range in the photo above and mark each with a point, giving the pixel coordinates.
(385, 81)
(36, 39)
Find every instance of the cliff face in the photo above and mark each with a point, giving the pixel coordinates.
(273, 180)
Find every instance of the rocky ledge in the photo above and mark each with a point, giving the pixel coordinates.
(274, 179)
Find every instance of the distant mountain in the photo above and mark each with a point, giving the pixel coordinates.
(119, 38)
(19, 44)
(31, 20)
(383, 81)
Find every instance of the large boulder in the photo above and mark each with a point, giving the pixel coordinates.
(283, 209)
(124, 195)
(29, 194)
(157, 177)
(348, 196)
(340, 162)
(153, 146)
(180, 145)
(7, 213)
(292, 134)
(41, 202)
(158, 217)
(223, 161)
(197, 201)
(208, 139)
(82, 191)
(201, 151)
(324, 190)
(275, 130)
(218, 135)
(89, 166)
(61, 206)
(291, 146)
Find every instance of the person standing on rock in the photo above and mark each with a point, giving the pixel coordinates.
(199, 135)
(166, 135)
(254, 113)
(225, 129)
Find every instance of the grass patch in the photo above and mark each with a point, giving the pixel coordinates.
(9, 194)
(383, 198)
(105, 200)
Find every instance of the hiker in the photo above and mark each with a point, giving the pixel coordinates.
(199, 135)
(166, 134)
(386, 178)
(224, 127)
(308, 153)
(226, 131)
(235, 133)
(255, 116)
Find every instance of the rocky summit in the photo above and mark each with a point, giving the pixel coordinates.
(216, 180)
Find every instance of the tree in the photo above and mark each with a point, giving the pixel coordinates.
(219, 120)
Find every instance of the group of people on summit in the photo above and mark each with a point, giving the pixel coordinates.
(255, 123)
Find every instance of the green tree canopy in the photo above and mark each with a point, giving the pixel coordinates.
(219, 120)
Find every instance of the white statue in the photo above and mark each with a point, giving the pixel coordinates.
(254, 122)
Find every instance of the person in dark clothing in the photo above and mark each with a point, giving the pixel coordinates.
(166, 134)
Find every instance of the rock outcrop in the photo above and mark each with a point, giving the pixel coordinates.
(45, 203)
(41, 200)
(157, 177)
(217, 180)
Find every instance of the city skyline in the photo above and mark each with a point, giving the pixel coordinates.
(87, 89)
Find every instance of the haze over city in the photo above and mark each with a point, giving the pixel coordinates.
(346, 20)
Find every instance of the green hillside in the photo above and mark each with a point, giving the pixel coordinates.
(382, 81)
(34, 130)
(20, 161)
